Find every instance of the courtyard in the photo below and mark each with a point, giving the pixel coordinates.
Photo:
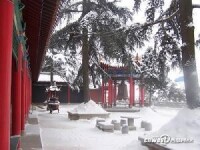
(58, 132)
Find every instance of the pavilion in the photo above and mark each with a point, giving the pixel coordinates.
(26, 27)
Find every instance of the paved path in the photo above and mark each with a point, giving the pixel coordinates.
(30, 140)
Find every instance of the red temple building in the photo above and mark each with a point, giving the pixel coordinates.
(26, 26)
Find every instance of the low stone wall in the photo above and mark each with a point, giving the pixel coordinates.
(76, 116)
(170, 104)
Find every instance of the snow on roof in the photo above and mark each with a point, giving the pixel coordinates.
(45, 77)
(88, 108)
(53, 88)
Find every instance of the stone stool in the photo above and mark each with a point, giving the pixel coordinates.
(130, 121)
(113, 121)
(122, 122)
(98, 121)
(117, 126)
(143, 124)
(148, 126)
(125, 129)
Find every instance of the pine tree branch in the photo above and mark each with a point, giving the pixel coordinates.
(160, 20)
(140, 26)
(71, 10)
(76, 4)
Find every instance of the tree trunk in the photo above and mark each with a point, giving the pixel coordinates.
(150, 96)
(51, 74)
(85, 63)
(188, 54)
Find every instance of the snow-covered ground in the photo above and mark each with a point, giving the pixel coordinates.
(59, 133)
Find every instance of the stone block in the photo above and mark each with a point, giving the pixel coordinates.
(148, 126)
(131, 127)
(117, 126)
(125, 129)
(130, 121)
(122, 122)
(99, 120)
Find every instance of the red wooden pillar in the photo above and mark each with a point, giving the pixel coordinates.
(115, 93)
(131, 92)
(105, 93)
(6, 27)
(68, 94)
(141, 94)
(23, 97)
(102, 92)
(28, 92)
(16, 105)
(25, 92)
(110, 92)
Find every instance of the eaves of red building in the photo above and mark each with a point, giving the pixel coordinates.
(40, 18)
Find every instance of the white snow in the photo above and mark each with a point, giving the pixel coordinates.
(59, 133)
(45, 77)
(190, 24)
(88, 108)
(59, 57)
(185, 125)
(53, 88)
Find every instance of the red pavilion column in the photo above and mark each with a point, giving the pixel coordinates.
(110, 92)
(105, 93)
(115, 93)
(111, 89)
(141, 94)
(131, 92)
(16, 105)
(6, 27)
(102, 92)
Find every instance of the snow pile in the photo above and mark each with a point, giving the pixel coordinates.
(89, 108)
(185, 125)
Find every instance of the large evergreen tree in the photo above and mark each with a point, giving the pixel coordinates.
(100, 29)
(175, 24)
(94, 32)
